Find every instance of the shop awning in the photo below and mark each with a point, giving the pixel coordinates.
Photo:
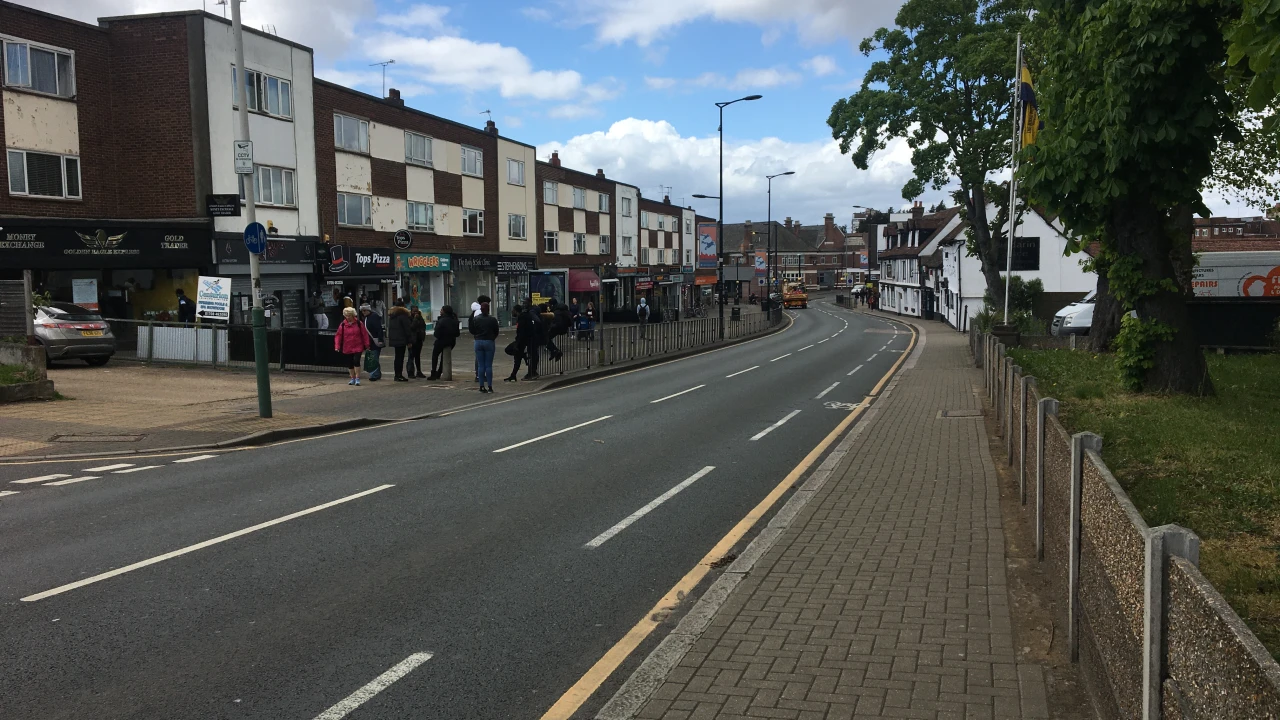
(583, 280)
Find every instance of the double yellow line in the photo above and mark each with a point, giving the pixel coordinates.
(572, 700)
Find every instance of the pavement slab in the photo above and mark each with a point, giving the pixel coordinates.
(886, 596)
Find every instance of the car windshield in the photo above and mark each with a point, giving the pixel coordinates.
(69, 312)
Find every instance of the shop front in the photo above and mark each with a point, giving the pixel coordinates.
(129, 270)
(288, 271)
(584, 288)
(422, 281)
(504, 279)
(472, 276)
(704, 288)
(513, 285)
(365, 275)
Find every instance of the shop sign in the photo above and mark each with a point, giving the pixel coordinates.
(84, 292)
(705, 280)
(361, 262)
(76, 244)
(423, 262)
(222, 205)
(403, 239)
(546, 286)
(677, 278)
(279, 251)
(213, 298)
(517, 265)
(686, 269)
(644, 282)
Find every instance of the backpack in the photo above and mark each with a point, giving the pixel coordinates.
(643, 312)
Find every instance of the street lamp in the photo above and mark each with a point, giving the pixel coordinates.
(771, 247)
(845, 246)
(720, 220)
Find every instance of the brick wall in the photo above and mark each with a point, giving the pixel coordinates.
(330, 98)
(569, 179)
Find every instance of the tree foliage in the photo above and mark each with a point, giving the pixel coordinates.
(1246, 166)
(944, 85)
(1255, 51)
(1134, 103)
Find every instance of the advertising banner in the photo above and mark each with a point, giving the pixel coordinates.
(546, 285)
(707, 246)
(1230, 277)
(423, 262)
(84, 292)
(762, 263)
(213, 298)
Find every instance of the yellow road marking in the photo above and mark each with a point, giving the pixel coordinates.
(574, 697)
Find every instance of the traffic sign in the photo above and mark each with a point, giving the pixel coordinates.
(255, 238)
(244, 157)
(403, 239)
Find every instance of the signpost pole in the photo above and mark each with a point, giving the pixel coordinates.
(259, 318)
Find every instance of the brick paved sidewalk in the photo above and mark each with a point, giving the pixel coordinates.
(886, 595)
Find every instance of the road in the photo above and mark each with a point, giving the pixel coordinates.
(460, 567)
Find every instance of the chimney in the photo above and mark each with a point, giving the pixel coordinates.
(490, 127)
(555, 159)
(666, 199)
(787, 224)
(600, 173)
(393, 97)
(917, 210)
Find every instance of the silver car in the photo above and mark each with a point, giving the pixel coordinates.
(69, 331)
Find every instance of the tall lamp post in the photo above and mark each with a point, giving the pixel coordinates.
(772, 246)
(720, 219)
(852, 225)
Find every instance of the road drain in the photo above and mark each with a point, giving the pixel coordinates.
(96, 438)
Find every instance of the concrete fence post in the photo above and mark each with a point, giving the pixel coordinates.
(1015, 373)
(1080, 442)
(997, 378)
(446, 363)
(1028, 381)
(1161, 543)
(1045, 408)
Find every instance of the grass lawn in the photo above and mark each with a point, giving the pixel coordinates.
(14, 374)
(1209, 464)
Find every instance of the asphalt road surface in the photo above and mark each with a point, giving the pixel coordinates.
(460, 567)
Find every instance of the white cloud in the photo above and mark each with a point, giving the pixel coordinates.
(745, 79)
(660, 83)
(650, 153)
(619, 21)
(475, 66)
(511, 121)
(536, 13)
(821, 65)
(430, 17)
(328, 26)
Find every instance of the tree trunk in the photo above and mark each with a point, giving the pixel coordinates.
(987, 256)
(1106, 311)
(1141, 231)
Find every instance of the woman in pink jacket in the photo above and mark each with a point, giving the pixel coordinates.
(351, 340)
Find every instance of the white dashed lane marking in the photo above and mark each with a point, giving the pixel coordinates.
(73, 480)
(106, 468)
(196, 458)
(8, 492)
(42, 478)
(137, 469)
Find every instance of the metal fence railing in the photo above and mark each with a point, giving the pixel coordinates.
(219, 345)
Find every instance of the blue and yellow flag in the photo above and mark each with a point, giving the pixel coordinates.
(1030, 112)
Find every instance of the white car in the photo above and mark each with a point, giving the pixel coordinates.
(1075, 318)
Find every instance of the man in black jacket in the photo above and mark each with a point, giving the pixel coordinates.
(399, 334)
(530, 336)
(446, 335)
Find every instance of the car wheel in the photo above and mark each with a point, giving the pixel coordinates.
(97, 361)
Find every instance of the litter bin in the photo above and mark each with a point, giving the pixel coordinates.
(735, 313)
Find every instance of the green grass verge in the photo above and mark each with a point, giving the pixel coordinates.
(1209, 464)
(14, 374)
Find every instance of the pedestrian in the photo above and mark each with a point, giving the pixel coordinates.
(642, 315)
(399, 335)
(485, 330)
(373, 326)
(519, 347)
(446, 333)
(316, 306)
(561, 321)
(418, 324)
(350, 341)
(186, 308)
(535, 338)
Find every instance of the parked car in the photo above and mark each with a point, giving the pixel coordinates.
(1075, 318)
(69, 331)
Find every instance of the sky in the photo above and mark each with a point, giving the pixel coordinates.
(624, 85)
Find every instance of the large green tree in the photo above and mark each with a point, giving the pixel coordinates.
(1134, 103)
(944, 84)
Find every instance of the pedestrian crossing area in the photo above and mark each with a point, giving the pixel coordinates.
(96, 472)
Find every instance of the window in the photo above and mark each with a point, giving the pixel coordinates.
(662, 222)
(579, 243)
(472, 222)
(604, 244)
(515, 226)
(39, 68)
(644, 220)
(626, 243)
(421, 216)
(264, 93)
(350, 134)
(550, 193)
(515, 171)
(472, 161)
(626, 207)
(552, 238)
(271, 186)
(580, 198)
(604, 203)
(688, 256)
(354, 210)
(417, 149)
(44, 175)
(644, 256)
(688, 227)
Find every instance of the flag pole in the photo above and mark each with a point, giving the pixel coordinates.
(1013, 175)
